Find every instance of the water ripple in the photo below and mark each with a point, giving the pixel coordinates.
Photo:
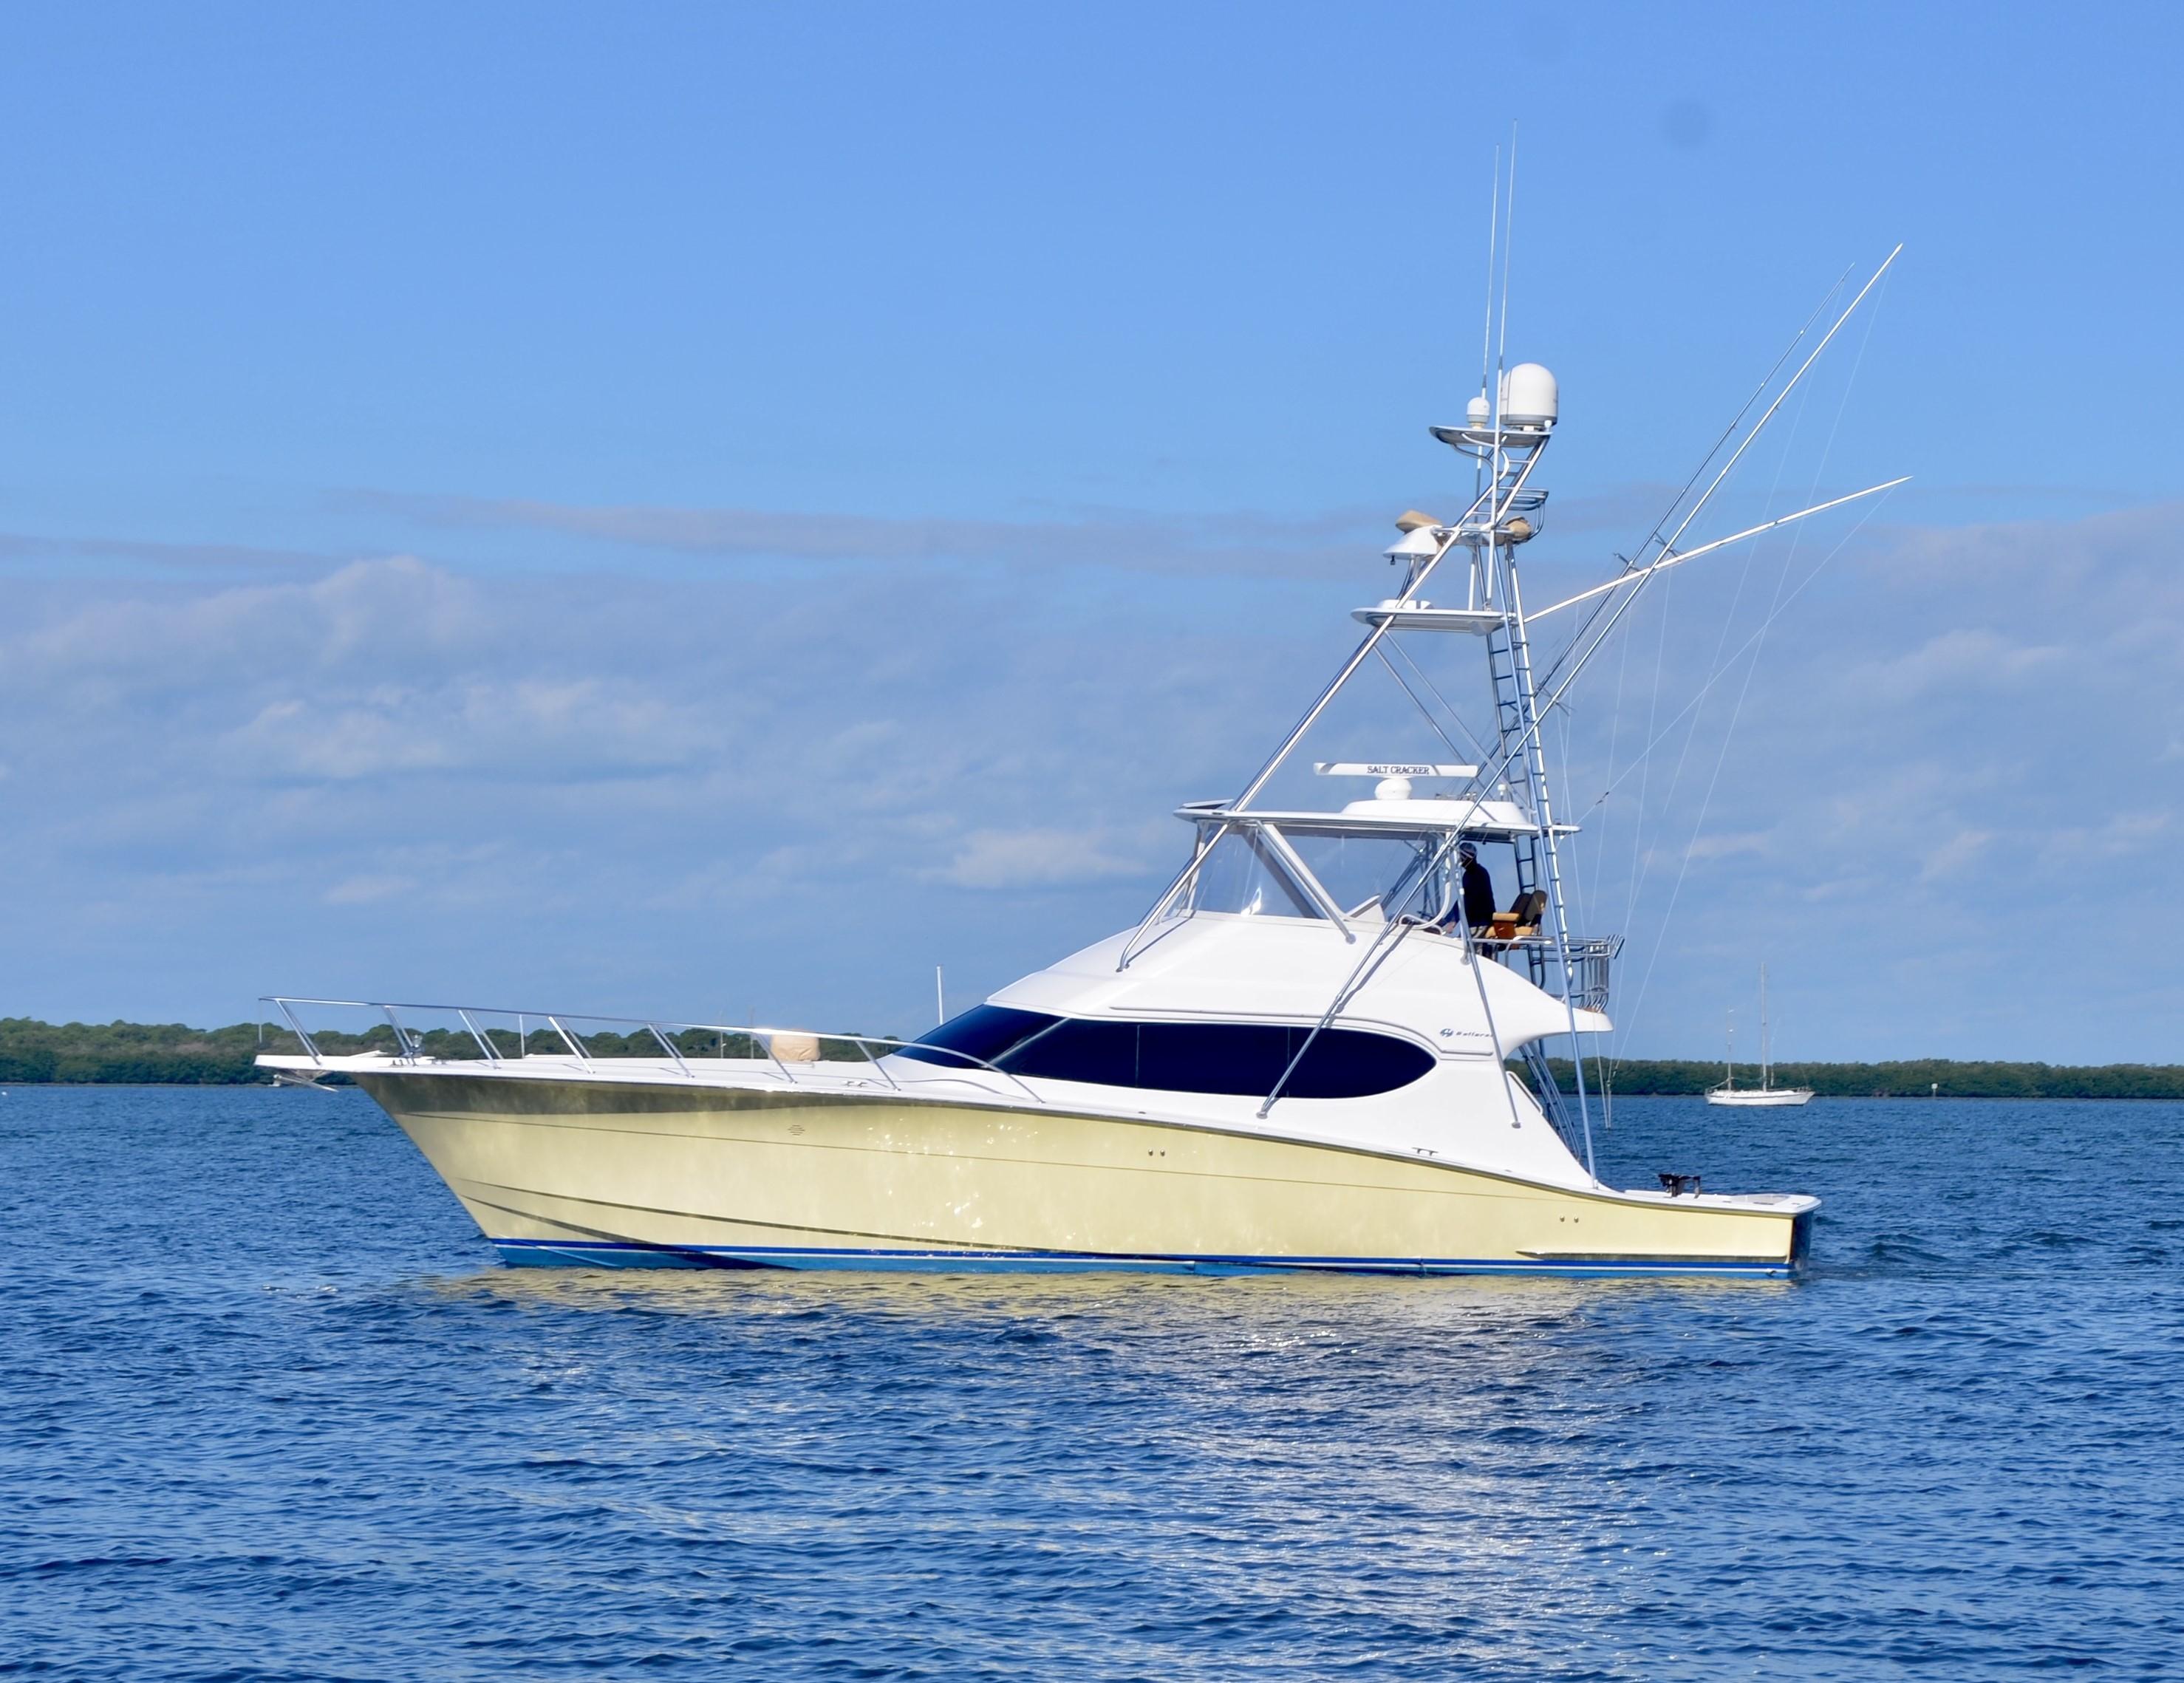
(270, 1413)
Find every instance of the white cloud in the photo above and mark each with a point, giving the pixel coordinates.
(1725, 845)
(1124, 540)
(365, 890)
(1959, 660)
(1955, 854)
(1032, 858)
(709, 798)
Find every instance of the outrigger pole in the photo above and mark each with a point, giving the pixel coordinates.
(1637, 579)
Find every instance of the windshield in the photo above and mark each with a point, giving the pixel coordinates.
(1240, 875)
(1377, 876)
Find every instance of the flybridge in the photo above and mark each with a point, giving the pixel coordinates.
(1257, 861)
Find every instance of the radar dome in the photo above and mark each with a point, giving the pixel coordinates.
(1529, 396)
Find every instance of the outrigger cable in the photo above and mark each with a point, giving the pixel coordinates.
(1729, 666)
(1757, 636)
(1477, 746)
(1715, 450)
(1425, 712)
(1638, 580)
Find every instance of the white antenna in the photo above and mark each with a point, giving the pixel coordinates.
(1493, 244)
(1477, 409)
(940, 995)
(1509, 239)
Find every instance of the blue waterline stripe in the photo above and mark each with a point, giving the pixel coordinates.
(630, 1253)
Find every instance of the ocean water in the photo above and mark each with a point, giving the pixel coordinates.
(268, 1410)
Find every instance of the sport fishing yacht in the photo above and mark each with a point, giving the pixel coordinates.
(1305, 1055)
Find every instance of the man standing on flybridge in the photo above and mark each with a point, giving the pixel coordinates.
(1478, 891)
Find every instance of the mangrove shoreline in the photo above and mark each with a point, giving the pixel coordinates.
(173, 1054)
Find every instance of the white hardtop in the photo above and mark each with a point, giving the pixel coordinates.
(1497, 820)
(1220, 965)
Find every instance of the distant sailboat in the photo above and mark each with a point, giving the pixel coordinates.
(1766, 1093)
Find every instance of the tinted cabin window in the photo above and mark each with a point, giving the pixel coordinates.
(983, 1033)
(1241, 1058)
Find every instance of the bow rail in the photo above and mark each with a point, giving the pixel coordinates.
(501, 1035)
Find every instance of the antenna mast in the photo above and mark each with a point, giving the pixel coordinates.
(1510, 423)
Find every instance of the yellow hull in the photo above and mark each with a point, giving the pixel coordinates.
(616, 1174)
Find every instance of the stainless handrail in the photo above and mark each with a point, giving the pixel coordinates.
(412, 1045)
(1591, 961)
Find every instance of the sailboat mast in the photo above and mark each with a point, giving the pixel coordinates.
(1765, 1081)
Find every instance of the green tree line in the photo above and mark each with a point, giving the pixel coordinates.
(33, 1052)
(1910, 1078)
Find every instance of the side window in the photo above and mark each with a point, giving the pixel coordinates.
(985, 1034)
(1348, 1063)
(1245, 1059)
(1220, 1057)
(1076, 1049)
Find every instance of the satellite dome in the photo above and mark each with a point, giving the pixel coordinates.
(1529, 396)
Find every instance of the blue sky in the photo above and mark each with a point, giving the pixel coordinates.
(715, 510)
